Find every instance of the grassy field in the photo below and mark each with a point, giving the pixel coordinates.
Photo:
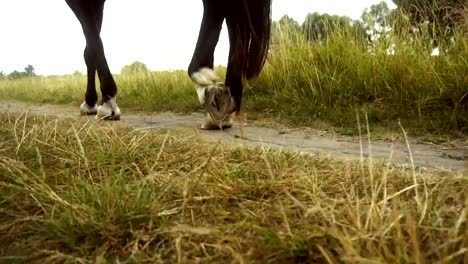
(317, 84)
(81, 191)
(154, 91)
(339, 77)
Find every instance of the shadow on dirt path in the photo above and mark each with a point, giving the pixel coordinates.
(425, 155)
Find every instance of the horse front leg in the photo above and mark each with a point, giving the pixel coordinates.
(108, 110)
(211, 92)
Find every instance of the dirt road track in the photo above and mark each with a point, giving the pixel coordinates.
(428, 156)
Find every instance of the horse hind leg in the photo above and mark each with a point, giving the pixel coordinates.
(89, 106)
(109, 109)
(90, 15)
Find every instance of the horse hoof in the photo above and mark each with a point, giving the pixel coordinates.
(210, 124)
(85, 109)
(215, 97)
(218, 102)
(108, 110)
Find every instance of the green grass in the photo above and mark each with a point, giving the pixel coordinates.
(339, 77)
(83, 191)
(156, 91)
(315, 84)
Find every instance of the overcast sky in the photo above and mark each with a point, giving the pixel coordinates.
(162, 34)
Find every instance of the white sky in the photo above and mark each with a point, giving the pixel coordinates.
(161, 34)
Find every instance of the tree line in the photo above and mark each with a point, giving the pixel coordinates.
(438, 18)
(28, 72)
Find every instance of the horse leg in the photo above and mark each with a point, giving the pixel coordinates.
(201, 66)
(233, 82)
(248, 24)
(234, 67)
(90, 15)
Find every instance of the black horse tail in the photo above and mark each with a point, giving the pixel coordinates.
(251, 20)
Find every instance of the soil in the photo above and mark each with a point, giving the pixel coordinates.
(452, 157)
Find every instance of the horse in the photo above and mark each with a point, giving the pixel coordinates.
(248, 24)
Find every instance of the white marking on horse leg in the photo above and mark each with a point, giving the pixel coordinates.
(85, 109)
(204, 77)
(201, 93)
(109, 110)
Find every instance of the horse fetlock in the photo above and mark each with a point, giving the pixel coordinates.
(204, 77)
(109, 110)
(85, 109)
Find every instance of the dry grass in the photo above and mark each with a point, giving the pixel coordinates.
(80, 191)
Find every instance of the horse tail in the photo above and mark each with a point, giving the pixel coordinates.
(251, 20)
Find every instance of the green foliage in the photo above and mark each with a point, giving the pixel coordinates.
(287, 23)
(17, 75)
(318, 27)
(29, 70)
(441, 16)
(134, 68)
(377, 15)
(334, 79)
(286, 27)
(77, 73)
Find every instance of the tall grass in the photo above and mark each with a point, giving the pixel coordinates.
(306, 81)
(334, 78)
(84, 191)
(157, 91)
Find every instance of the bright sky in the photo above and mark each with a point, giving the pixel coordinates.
(161, 34)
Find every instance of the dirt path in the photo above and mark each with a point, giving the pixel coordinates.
(424, 155)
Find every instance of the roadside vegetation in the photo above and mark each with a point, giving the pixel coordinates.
(84, 191)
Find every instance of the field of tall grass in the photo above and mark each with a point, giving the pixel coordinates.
(84, 191)
(396, 79)
(304, 81)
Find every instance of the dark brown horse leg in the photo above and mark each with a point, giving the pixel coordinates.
(210, 92)
(90, 15)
